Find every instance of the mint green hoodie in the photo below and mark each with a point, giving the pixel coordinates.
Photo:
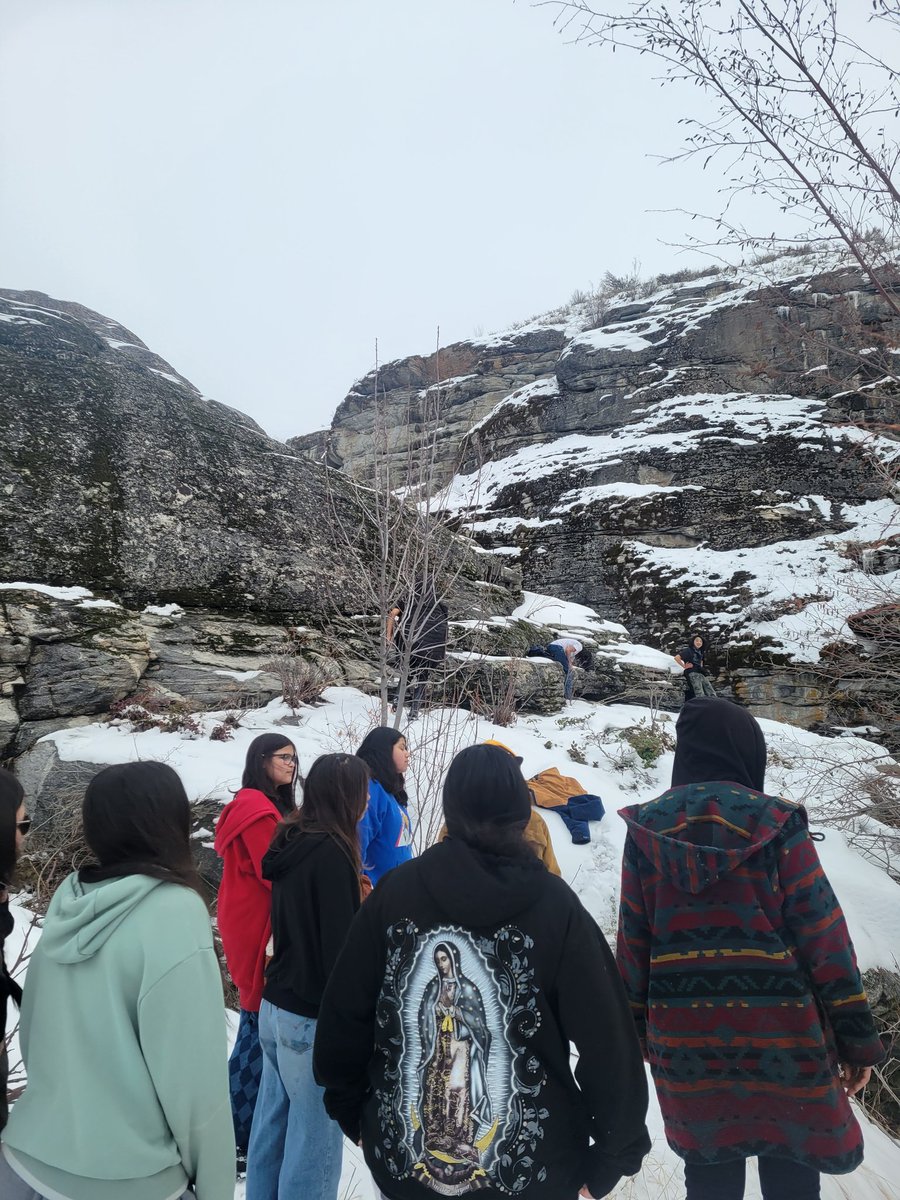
(123, 1036)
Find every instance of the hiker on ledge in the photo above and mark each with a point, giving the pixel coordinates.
(692, 660)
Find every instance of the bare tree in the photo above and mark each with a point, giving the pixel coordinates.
(801, 112)
(411, 563)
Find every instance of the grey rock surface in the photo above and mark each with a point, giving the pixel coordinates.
(117, 474)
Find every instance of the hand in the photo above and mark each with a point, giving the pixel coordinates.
(854, 1079)
(584, 1192)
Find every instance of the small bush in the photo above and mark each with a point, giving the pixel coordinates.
(577, 754)
(221, 733)
(302, 680)
(648, 739)
(148, 710)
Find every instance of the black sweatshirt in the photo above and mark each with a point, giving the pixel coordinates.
(443, 1036)
(315, 893)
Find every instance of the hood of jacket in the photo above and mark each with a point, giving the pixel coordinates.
(473, 889)
(248, 805)
(291, 852)
(82, 917)
(696, 834)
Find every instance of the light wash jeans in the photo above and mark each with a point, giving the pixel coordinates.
(295, 1148)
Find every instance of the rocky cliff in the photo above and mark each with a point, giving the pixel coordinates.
(205, 541)
(116, 474)
(717, 452)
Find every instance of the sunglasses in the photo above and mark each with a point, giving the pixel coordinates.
(288, 758)
(23, 826)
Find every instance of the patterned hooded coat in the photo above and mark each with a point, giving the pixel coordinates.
(741, 975)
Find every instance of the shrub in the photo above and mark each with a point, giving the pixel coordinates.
(149, 710)
(302, 680)
(648, 739)
(221, 733)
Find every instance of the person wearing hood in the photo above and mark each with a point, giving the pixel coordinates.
(385, 833)
(244, 832)
(443, 1034)
(123, 1018)
(314, 869)
(740, 971)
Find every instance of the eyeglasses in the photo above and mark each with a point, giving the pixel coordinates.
(23, 826)
(288, 758)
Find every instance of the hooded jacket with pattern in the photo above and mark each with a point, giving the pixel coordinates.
(444, 1035)
(123, 1038)
(742, 978)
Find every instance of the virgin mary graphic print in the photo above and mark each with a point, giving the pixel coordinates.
(454, 1101)
(464, 1087)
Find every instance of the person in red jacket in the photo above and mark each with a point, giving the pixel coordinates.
(243, 834)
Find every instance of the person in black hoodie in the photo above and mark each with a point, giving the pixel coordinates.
(443, 1034)
(14, 825)
(314, 867)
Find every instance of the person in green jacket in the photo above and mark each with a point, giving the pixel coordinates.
(123, 1021)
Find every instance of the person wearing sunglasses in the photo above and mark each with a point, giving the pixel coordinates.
(14, 825)
(243, 834)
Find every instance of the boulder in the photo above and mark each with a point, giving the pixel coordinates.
(517, 684)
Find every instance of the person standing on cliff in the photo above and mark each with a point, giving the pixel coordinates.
(692, 660)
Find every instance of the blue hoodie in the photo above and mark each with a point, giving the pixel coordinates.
(384, 833)
(123, 1037)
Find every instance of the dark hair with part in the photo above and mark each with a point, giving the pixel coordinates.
(11, 799)
(377, 752)
(487, 803)
(255, 775)
(137, 821)
(335, 795)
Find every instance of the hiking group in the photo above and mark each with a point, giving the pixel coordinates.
(426, 1007)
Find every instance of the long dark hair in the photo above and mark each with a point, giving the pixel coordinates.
(11, 797)
(255, 775)
(487, 803)
(377, 752)
(335, 794)
(137, 821)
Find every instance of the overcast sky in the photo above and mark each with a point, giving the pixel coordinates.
(261, 188)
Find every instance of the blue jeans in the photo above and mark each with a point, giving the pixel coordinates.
(295, 1148)
(559, 655)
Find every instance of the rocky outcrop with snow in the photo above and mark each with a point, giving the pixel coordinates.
(718, 453)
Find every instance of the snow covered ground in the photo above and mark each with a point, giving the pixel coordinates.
(584, 741)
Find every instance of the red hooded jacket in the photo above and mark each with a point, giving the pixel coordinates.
(243, 834)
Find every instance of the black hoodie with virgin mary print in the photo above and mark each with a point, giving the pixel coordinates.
(445, 1031)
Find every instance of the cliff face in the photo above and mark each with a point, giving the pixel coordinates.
(116, 474)
(717, 453)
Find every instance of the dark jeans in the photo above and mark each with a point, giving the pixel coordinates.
(779, 1179)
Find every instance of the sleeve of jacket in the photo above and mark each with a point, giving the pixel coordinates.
(257, 838)
(370, 825)
(345, 1030)
(594, 1015)
(633, 941)
(815, 920)
(181, 1025)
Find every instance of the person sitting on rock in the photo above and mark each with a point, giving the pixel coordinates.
(692, 660)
